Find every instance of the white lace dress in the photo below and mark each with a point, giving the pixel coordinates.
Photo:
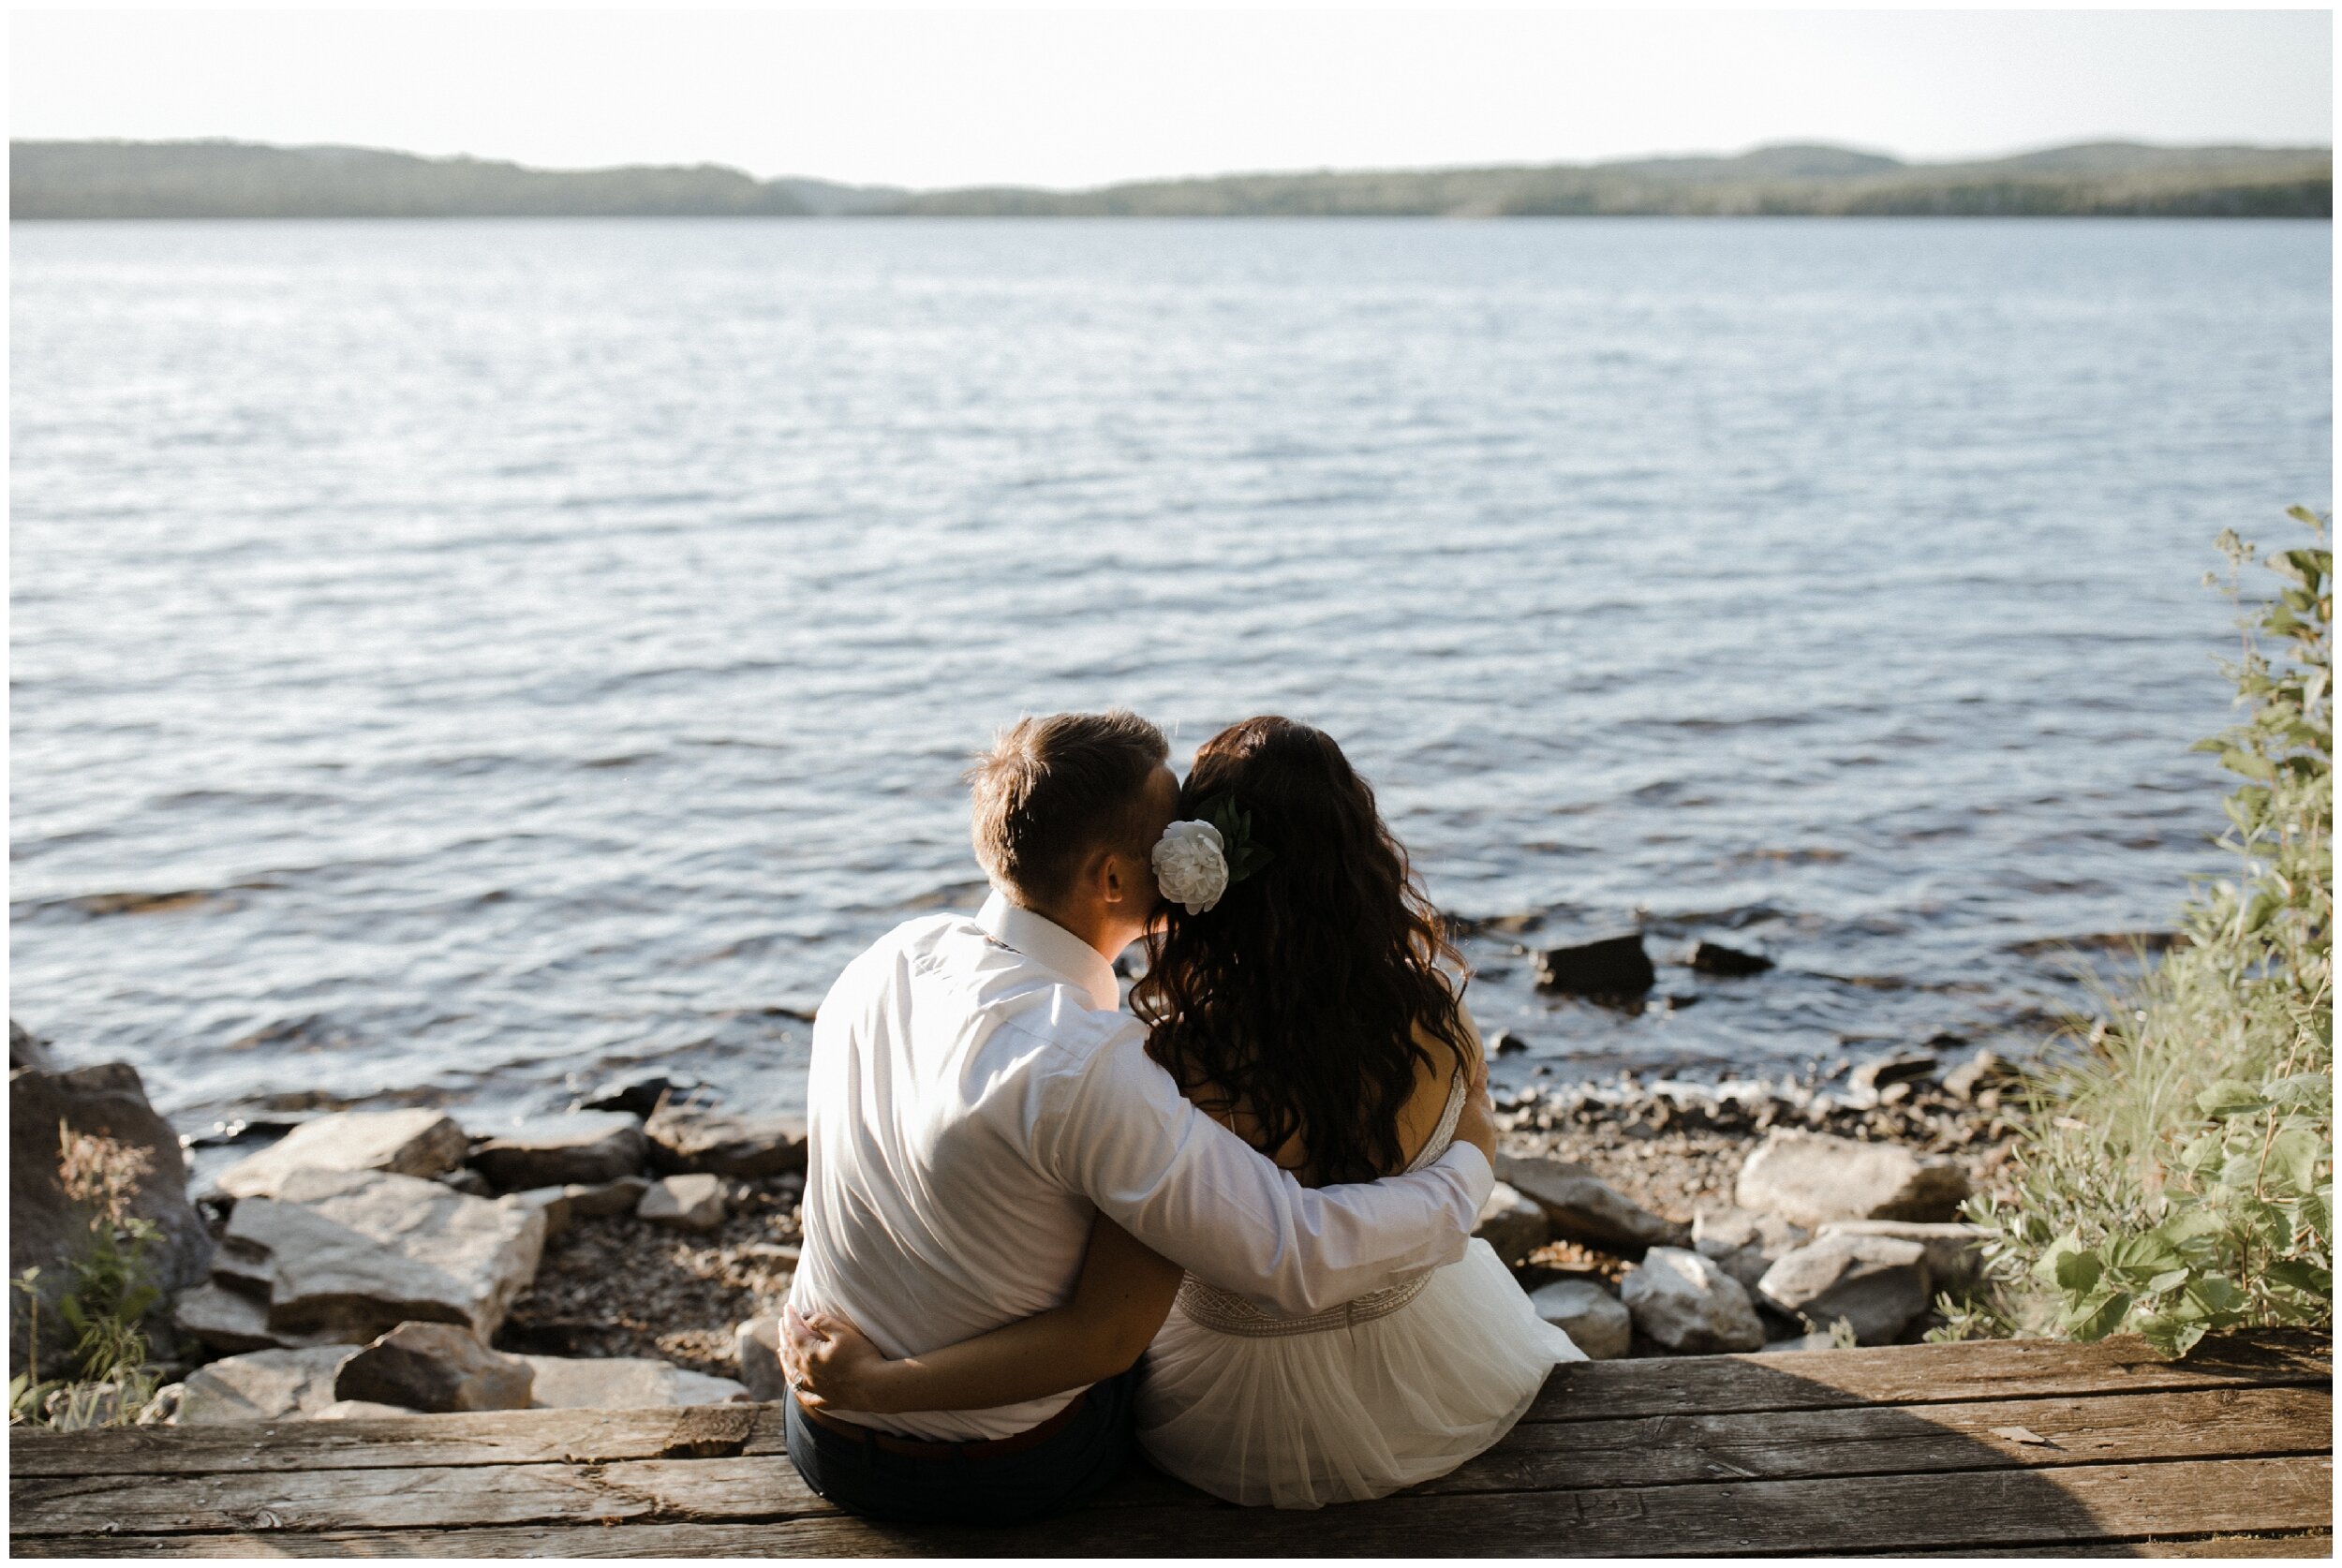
(1380, 1392)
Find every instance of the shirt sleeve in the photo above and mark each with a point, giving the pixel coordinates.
(1117, 1128)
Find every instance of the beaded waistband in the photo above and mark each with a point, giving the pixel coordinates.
(1211, 1308)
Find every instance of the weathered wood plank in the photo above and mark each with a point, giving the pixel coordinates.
(1690, 1385)
(1650, 1451)
(516, 1437)
(1980, 1509)
(1903, 1440)
(1920, 1374)
(2319, 1543)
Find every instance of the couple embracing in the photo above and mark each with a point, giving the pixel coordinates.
(1232, 1226)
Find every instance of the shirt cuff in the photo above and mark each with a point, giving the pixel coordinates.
(1467, 1161)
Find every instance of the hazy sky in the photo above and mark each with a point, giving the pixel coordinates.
(1083, 96)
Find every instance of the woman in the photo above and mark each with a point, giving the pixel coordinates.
(1299, 991)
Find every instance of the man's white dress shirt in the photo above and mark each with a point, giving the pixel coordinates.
(977, 1096)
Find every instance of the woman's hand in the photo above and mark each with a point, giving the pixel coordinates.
(831, 1362)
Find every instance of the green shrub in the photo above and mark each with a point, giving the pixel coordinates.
(110, 1289)
(2175, 1175)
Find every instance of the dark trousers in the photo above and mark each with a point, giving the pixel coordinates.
(950, 1487)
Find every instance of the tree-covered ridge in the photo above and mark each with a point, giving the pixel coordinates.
(243, 180)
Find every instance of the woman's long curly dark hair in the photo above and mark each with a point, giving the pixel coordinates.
(1300, 994)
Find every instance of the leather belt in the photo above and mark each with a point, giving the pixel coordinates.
(944, 1448)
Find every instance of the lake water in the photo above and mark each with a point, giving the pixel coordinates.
(455, 661)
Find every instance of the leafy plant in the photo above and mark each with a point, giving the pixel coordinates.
(111, 1289)
(2176, 1176)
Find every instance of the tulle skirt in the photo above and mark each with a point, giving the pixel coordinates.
(1343, 1415)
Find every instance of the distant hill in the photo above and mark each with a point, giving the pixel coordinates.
(245, 180)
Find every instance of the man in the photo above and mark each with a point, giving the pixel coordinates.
(977, 1097)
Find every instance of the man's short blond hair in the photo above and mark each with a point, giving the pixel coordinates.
(1051, 792)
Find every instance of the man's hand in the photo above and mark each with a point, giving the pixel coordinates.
(828, 1361)
(1477, 1126)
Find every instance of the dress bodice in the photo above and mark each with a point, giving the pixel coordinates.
(1229, 1313)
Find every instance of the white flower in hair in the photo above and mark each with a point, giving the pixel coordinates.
(1192, 865)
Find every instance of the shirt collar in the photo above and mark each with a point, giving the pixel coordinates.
(1051, 945)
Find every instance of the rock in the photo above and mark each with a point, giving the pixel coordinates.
(358, 1252)
(1511, 1224)
(684, 1203)
(468, 1181)
(1801, 1342)
(594, 1147)
(707, 1141)
(1955, 1252)
(1716, 958)
(1683, 1301)
(551, 1202)
(625, 1383)
(637, 1095)
(435, 1368)
(1504, 1042)
(359, 1410)
(266, 1385)
(1595, 1321)
(1810, 1179)
(231, 1321)
(1611, 966)
(756, 1344)
(47, 1229)
(1984, 1067)
(1876, 1283)
(163, 1409)
(1580, 1207)
(1872, 1076)
(1742, 1242)
(609, 1198)
(28, 1049)
(417, 1143)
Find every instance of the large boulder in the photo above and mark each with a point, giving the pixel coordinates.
(625, 1383)
(47, 1228)
(1743, 1242)
(436, 1367)
(1811, 1178)
(415, 1143)
(1595, 1321)
(1876, 1283)
(1511, 1224)
(684, 1140)
(266, 1385)
(1580, 1207)
(1685, 1302)
(684, 1203)
(1955, 1252)
(587, 1148)
(355, 1253)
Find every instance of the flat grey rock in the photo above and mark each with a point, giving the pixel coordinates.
(1742, 1242)
(605, 1199)
(356, 1253)
(684, 1203)
(554, 1203)
(232, 1321)
(1685, 1302)
(756, 1344)
(1595, 1321)
(1811, 1178)
(1955, 1251)
(265, 1385)
(1511, 1224)
(438, 1367)
(415, 1143)
(587, 1148)
(1818, 1341)
(1582, 1207)
(625, 1383)
(1876, 1285)
(360, 1409)
(716, 1142)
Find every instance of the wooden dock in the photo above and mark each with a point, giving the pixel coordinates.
(2010, 1448)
